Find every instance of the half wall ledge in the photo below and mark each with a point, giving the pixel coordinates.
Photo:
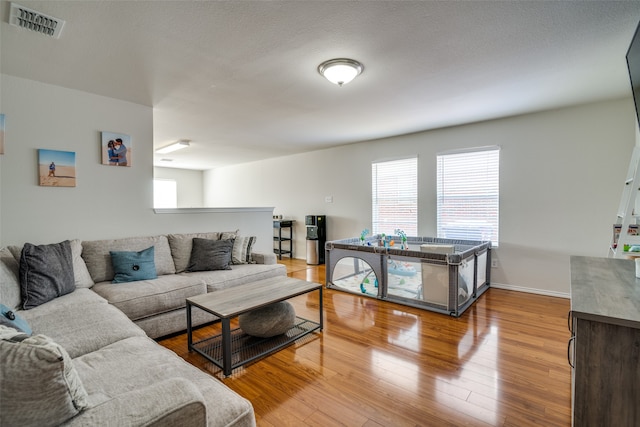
(211, 210)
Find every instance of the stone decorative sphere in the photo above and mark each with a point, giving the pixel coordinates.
(269, 321)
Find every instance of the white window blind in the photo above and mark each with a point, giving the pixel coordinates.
(165, 194)
(468, 195)
(394, 195)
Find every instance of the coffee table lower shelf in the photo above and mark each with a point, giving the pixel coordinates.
(246, 348)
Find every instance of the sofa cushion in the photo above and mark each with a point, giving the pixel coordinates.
(149, 405)
(173, 321)
(9, 280)
(96, 255)
(229, 235)
(46, 272)
(237, 276)
(40, 386)
(181, 245)
(264, 258)
(11, 319)
(150, 297)
(81, 322)
(208, 255)
(80, 272)
(242, 247)
(16, 251)
(133, 266)
(125, 366)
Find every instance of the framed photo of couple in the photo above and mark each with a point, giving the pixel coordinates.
(116, 149)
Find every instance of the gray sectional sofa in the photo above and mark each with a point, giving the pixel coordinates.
(91, 359)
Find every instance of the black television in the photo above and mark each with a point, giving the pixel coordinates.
(633, 64)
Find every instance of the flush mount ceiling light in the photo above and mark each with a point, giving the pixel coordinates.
(340, 71)
(183, 143)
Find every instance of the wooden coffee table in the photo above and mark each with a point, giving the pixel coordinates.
(233, 348)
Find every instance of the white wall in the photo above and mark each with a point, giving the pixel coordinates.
(188, 183)
(561, 180)
(108, 202)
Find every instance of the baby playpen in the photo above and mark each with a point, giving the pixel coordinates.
(441, 275)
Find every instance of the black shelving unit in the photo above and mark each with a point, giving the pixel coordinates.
(279, 240)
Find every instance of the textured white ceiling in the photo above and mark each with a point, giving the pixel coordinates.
(239, 78)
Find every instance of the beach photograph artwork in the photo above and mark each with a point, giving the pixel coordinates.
(116, 149)
(57, 168)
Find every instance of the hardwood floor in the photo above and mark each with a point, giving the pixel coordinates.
(503, 363)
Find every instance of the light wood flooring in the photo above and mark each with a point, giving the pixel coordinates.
(503, 363)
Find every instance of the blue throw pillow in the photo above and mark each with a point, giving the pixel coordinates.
(9, 318)
(133, 266)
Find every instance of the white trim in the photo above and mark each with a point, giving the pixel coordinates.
(469, 150)
(211, 210)
(530, 290)
(393, 159)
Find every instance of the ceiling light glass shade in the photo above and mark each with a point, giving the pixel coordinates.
(340, 71)
(173, 147)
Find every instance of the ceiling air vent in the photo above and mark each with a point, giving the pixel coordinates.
(29, 19)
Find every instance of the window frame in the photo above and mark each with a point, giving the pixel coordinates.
(410, 202)
(483, 217)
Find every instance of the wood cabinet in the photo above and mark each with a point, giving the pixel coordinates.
(604, 349)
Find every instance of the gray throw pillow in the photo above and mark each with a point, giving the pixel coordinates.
(46, 272)
(207, 255)
(182, 244)
(40, 386)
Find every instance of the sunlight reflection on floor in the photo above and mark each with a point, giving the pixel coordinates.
(395, 370)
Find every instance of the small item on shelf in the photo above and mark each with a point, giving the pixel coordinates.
(403, 239)
(363, 236)
(632, 231)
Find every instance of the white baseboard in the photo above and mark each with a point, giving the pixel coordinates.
(530, 290)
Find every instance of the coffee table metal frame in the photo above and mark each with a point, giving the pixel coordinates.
(226, 304)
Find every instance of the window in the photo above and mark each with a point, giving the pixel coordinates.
(165, 193)
(468, 194)
(394, 195)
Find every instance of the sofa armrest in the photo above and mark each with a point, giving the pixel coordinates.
(171, 402)
(264, 258)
